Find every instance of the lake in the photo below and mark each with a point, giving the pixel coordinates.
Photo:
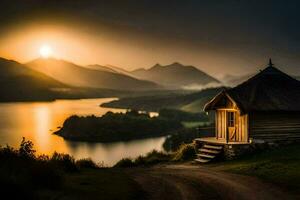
(36, 121)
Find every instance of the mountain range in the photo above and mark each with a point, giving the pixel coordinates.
(110, 68)
(20, 83)
(173, 76)
(92, 76)
(48, 79)
(176, 76)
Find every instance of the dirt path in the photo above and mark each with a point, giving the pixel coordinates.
(189, 182)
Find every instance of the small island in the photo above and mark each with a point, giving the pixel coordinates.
(113, 127)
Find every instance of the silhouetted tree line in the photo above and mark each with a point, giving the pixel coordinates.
(120, 126)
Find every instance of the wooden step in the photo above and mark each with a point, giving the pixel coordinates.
(201, 160)
(209, 151)
(205, 155)
(213, 147)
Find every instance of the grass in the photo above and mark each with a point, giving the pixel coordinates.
(104, 184)
(280, 166)
(185, 152)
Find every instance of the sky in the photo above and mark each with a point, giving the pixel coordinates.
(219, 37)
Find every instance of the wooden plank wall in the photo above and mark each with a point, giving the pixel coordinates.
(241, 124)
(241, 127)
(275, 126)
(221, 124)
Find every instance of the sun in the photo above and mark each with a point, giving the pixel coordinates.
(45, 51)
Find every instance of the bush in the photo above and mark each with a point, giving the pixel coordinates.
(185, 152)
(64, 161)
(23, 172)
(125, 162)
(87, 163)
(186, 135)
(26, 149)
(153, 157)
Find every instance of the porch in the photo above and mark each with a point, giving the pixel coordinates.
(211, 148)
(214, 140)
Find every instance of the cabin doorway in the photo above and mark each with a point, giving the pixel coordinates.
(231, 129)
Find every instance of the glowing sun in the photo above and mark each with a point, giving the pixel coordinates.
(45, 51)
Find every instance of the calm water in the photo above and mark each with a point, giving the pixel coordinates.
(37, 121)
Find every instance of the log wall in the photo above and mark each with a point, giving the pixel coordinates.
(274, 126)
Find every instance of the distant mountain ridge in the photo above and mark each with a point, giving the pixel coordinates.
(79, 76)
(110, 68)
(20, 83)
(176, 76)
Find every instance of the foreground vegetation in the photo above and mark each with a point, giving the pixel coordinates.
(185, 152)
(280, 166)
(186, 136)
(24, 175)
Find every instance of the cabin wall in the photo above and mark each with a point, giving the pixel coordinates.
(241, 125)
(221, 126)
(274, 126)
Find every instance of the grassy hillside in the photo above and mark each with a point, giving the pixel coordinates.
(280, 166)
(192, 102)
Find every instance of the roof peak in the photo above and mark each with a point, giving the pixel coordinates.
(270, 63)
(271, 69)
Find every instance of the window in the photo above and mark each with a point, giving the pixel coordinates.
(230, 119)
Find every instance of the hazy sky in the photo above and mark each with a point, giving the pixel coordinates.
(219, 37)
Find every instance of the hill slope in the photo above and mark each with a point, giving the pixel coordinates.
(193, 102)
(176, 76)
(20, 83)
(75, 75)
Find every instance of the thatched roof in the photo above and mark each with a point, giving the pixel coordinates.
(269, 90)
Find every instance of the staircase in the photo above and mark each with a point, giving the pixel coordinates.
(208, 152)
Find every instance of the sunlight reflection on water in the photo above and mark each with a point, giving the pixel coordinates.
(36, 121)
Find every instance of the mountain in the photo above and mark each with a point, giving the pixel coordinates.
(120, 70)
(110, 68)
(176, 76)
(101, 68)
(79, 76)
(20, 83)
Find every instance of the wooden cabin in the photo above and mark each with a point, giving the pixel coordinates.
(265, 108)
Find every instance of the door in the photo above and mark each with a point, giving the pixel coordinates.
(231, 129)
